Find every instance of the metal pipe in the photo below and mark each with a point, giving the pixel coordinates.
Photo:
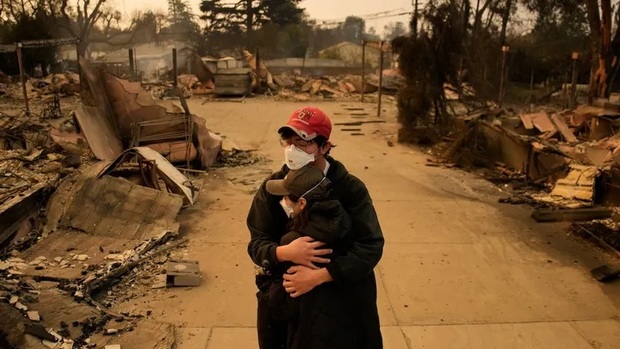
(380, 79)
(259, 79)
(502, 73)
(132, 66)
(175, 71)
(22, 77)
(363, 68)
(573, 91)
(79, 68)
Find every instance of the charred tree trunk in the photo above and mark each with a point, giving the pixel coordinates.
(600, 45)
(505, 18)
(466, 14)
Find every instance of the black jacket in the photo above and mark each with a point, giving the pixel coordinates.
(352, 271)
(328, 222)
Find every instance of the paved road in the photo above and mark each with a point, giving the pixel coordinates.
(459, 270)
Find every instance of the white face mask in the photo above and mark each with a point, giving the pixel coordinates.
(287, 209)
(296, 158)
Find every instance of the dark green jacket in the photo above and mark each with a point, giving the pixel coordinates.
(353, 270)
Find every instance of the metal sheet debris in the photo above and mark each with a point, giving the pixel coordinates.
(173, 179)
(125, 104)
(115, 207)
(99, 132)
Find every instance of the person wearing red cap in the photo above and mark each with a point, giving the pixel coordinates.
(306, 140)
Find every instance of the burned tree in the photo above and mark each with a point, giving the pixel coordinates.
(84, 15)
(26, 21)
(429, 61)
(604, 59)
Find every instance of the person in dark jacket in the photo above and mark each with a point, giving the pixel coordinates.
(306, 141)
(305, 201)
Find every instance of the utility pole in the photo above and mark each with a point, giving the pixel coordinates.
(132, 67)
(363, 69)
(22, 76)
(573, 90)
(380, 79)
(175, 68)
(505, 50)
(415, 17)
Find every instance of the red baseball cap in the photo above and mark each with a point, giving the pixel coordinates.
(308, 123)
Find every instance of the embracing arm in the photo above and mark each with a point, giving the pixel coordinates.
(267, 223)
(263, 228)
(367, 247)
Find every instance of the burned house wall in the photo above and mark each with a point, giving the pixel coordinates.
(501, 147)
(519, 154)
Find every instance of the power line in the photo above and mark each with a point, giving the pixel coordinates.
(372, 16)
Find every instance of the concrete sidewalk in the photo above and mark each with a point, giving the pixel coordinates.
(459, 270)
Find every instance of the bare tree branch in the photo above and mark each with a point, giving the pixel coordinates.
(65, 16)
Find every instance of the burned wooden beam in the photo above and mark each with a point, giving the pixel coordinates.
(49, 42)
(571, 215)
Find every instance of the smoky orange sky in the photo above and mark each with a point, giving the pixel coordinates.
(328, 10)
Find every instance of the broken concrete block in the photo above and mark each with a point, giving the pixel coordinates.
(34, 316)
(4, 265)
(58, 259)
(13, 300)
(81, 257)
(21, 307)
(113, 346)
(161, 281)
(17, 265)
(115, 257)
(78, 294)
(110, 331)
(183, 273)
